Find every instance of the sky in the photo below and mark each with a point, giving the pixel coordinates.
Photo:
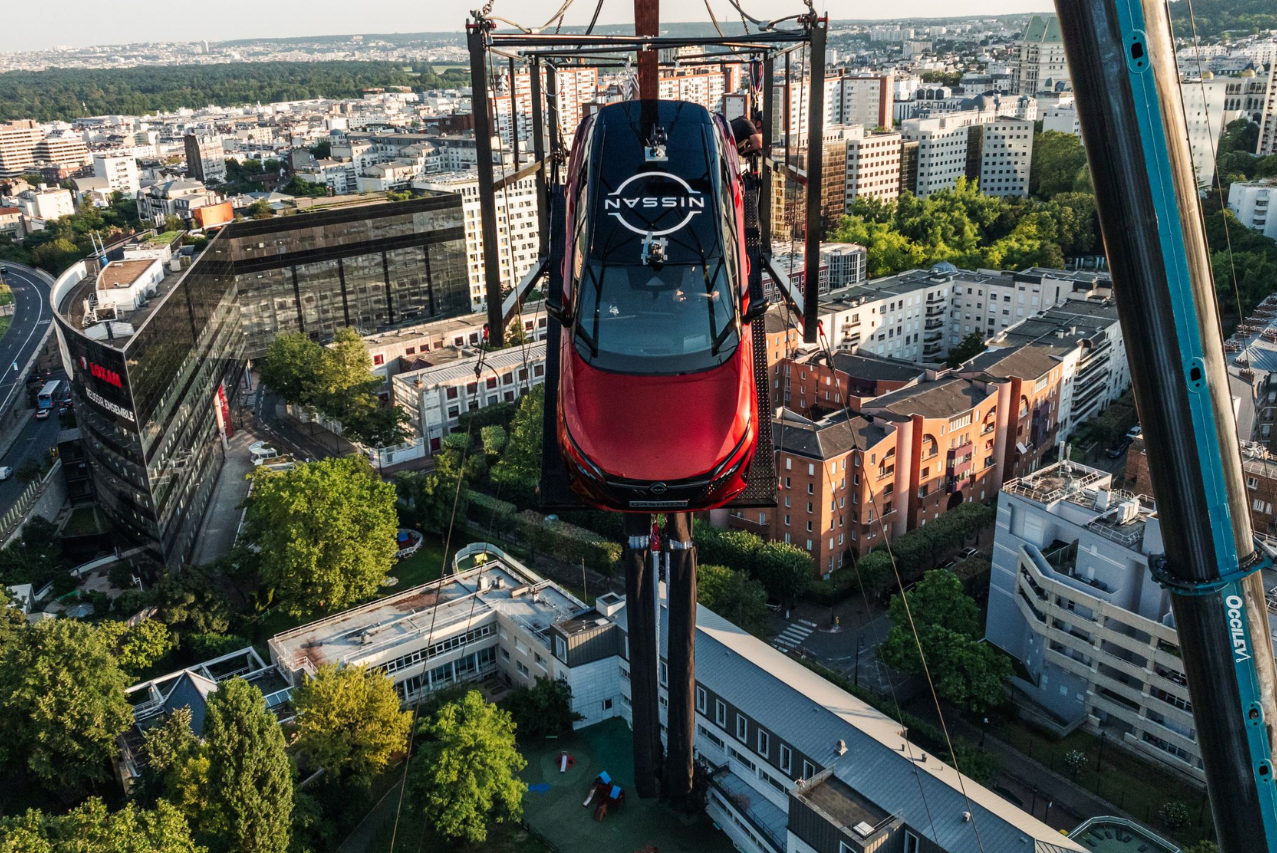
(79, 23)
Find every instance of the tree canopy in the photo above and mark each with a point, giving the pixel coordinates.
(325, 532)
(250, 784)
(965, 671)
(62, 703)
(734, 596)
(90, 828)
(465, 774)
(542, 709)
(69, 93)
(349, 721)
(336, 380)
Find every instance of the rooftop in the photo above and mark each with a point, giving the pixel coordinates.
(841, 805)
(946, 397)
(372, 631)
(124, 273)
(1118, 835)
(826, 438)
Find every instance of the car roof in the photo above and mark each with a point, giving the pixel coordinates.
(675, 197)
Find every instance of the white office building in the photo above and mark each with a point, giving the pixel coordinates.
(873, 164)
(44, 204)
(1204, 111)
(1062, 118)
(1072, 599)
(1251, 201)
(1041, 66)
(120, 173)
(942, 149)
(518, 238)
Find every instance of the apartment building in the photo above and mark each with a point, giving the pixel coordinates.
(44, 204)
(205, 158)
(17, 148)
(518, 236)
(872, 165)
(941, 151)
(900, 316)
(1251, 201)
(867, 100)
(180, 198)
(1062, 118)
(440, 386)
(1005, 156)
(699, 84)
(1267, 122)
(1035, 379)
(815, 384)
(845, 262)
(62, 150)
(120, 173)
(1203, 101)
(1041, 66)
(11, 226)
(1073, 600)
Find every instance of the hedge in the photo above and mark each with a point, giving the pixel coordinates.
(566, 542)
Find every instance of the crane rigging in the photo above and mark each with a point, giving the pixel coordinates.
(652, 254)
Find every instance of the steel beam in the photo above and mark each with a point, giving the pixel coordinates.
(538, 154)
(640, 619)
(815, 162)
(785, 286)
(513, 299)
(647, 22)
(765, 192)
(1123, 67)
(680, 588)
(475, 37)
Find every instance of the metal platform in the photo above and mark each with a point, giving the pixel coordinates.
(555, 492)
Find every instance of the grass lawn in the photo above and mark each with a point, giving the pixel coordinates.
(81, 523)
(6, 321)
(553, 807)
(1132, 784)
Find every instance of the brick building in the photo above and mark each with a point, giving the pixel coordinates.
(1035, 378)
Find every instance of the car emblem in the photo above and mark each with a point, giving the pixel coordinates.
(658, 488)
(649, 203)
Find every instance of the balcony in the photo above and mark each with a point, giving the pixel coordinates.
(933, 323)
(933, 337)
(935, 309)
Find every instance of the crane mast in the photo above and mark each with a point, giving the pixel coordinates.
(1122, 61)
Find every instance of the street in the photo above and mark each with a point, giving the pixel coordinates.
(32, 443)
(31, 318)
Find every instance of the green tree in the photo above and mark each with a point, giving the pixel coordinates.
(784, 570)
(1174, 815)
(322, 150)
(288, 368)
(969, 347)
(494, 439)
(325, 532)
(734, 596)
(349, 721)
(139, 647)
(62, 703)
(1057, 159)
(259, 209)
(965, 671)
(542, 709)
(250, 785)
(193, 601)
(90, 828)
(519, 469)
(177, 767)
(466, 772)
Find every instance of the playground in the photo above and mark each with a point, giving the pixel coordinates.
(553, 805)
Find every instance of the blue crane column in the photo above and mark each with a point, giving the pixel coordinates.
(1122, 63)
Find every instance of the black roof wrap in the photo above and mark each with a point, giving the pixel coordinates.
(676, 198)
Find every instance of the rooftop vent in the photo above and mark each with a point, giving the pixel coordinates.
(966, 817)
(841, 747)
(609, 604)
(863, 829)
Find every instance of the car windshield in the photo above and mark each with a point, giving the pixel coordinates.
(637, 319)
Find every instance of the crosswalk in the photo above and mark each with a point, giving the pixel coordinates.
(792, 637)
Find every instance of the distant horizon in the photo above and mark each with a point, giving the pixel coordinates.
(89, 23)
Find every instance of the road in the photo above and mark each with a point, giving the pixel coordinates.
(31, 319)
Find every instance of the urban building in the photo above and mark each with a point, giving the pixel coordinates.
(1203, 102)
(180, 198)
(205, 158)
(155, 366)
(1062, 118)
(1073, 600)
(1005, 156)
(440, 386)
(518, 234)
(17, 148)
(44, 204)
(1267, 120)
(120, 174)
(358, 265)
(1250, 201)
(941, 152)
(847, 773)
(11, 223)
(62, 150)
(845, 262)
(1041, 66)
(873, 165)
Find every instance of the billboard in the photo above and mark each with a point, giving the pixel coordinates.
(212, 215)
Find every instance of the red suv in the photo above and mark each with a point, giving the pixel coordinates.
(657, 407)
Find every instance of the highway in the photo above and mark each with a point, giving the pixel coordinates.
(31, 320)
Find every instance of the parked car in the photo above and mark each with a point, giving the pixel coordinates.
(5, 472)
(968, 553)
(1135, 431)
(41, 414)
(1116, 451)
(947, 564)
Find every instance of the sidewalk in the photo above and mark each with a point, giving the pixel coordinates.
(221, 522)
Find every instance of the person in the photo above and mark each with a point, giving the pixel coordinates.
(747, 134)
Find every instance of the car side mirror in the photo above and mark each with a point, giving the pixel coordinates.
(556, 308)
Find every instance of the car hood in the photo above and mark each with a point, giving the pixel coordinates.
(656, 427)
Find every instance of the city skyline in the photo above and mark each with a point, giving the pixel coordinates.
(86, 23)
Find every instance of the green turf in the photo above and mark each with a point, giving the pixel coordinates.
(81, 522)
(557, 813)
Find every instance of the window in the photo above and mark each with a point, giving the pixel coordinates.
(607, 704)
(764, 743)
(742, 728)
(808, 770)
(912, 845)
(700, 699)
(560, 648)
(786, 759)
(378, 360)
(1252, 482)
(665, 674)
(720, 713)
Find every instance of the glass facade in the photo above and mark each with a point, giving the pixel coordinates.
(367, 267)
(154, 441)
